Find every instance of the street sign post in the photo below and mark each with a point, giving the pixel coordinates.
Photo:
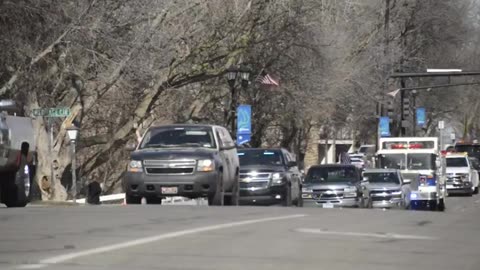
(50, 113)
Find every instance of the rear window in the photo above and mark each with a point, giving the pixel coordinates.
(332, 175)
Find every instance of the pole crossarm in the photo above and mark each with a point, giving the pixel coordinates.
(437, 86)
(435, 74)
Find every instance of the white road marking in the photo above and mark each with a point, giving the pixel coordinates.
(375, 235)
(147, 240)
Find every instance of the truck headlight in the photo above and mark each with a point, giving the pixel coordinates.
(278, 178)
(135, 166)
(350, 192)
(205, 165)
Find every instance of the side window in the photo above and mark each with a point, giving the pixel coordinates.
(226, 138)
(219, 138)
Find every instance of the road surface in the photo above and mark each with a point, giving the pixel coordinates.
(202, 237)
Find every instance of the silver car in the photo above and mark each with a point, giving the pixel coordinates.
(384, 188)
(332, 185)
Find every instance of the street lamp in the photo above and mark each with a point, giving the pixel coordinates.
(72, 132)
(232, 73)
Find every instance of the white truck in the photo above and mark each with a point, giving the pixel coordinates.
(417, 158)
(461, 176)
(17, 156)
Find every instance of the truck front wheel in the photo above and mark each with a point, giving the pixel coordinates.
(18, 186)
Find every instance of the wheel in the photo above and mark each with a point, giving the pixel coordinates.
(129, 199)
(441, 205)
(19, 186)
(234, 197)
(218, 197)
(287, 200)
(432, 205)
(154, 200)
(475, 191)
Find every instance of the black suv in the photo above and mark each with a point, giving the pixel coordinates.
(183, 160)
(269, 176)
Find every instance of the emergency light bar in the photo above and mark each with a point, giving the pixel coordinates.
(407, 146)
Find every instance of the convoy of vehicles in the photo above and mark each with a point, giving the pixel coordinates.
(333, 185)
(269, 176)
(17, 156)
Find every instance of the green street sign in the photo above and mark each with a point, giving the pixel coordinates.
(52, 112)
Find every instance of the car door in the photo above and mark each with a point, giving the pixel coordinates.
(229, 156)
(294, 174)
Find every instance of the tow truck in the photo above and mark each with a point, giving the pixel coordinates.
(418, 160)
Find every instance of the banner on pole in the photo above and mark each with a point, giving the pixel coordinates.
(421, 117)
(384, 126)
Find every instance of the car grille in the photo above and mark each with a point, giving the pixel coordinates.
(249, 180)
(383, 195)
(327, 193)
(169, 167)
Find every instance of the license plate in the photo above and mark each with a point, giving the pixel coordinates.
(327, 205)
(169, 190)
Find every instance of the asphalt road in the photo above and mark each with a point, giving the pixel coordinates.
(201, 237)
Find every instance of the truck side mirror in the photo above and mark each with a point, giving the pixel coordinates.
(131, 147)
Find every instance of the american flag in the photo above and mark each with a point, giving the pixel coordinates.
(267, 80)
(345, 158)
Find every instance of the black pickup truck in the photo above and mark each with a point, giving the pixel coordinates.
(269, 176)
(191, 161)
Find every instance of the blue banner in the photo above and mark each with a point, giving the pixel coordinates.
(384, 126)
(244, 119)
(421, 117)
(243, 138)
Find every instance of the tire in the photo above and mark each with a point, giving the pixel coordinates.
(287, 201)
(154, 200)
(475, 191)
(234, 198)
(129, 199)
(218, 197)
(299, 201)
(441, 205)
(19, 186)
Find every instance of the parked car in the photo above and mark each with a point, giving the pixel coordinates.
(335, 185)
(183, 160)
(269, 176)
(385, 188)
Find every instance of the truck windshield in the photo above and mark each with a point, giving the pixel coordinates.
(331, 175)
(260, 157)
(420, 162)
(457, 162)
(165, 137)
(392, 161)
(382, 177)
